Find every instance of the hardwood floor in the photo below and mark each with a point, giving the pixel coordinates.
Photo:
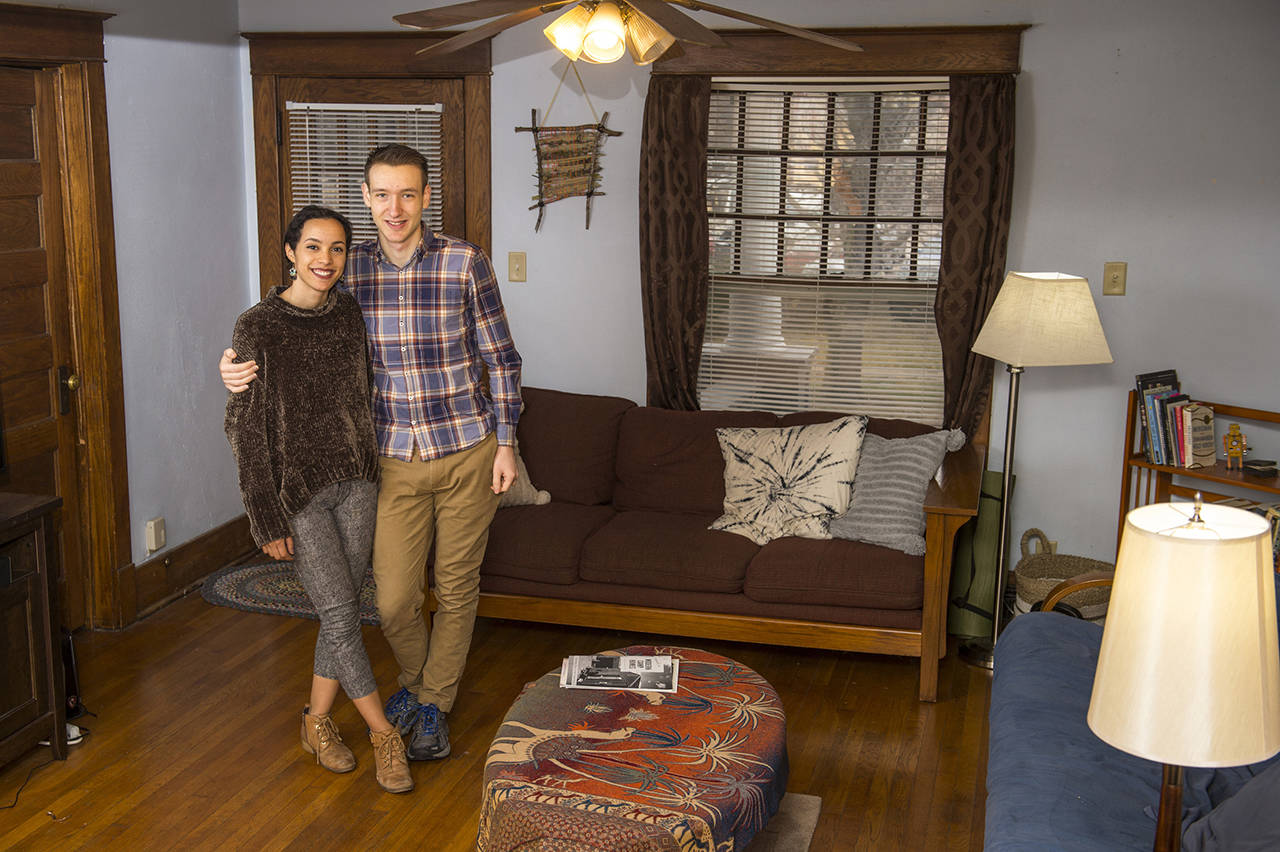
(195, 743)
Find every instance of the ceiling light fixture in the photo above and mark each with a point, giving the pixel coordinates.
(598, 31)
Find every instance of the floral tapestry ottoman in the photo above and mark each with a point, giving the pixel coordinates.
(698, 770)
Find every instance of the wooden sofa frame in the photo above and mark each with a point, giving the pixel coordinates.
(951, 501)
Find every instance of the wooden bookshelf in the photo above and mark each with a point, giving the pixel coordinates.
(1144, 482)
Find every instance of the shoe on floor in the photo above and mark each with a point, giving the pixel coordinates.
(402, 709)
(392, 765)
(320, 737)
(428, 739)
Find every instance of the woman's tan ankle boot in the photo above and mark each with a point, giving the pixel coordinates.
(392, 762)
(320, 737)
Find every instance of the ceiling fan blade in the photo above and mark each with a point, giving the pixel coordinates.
(474, 10)
(831, 41)
(676, 22)
(480, 33)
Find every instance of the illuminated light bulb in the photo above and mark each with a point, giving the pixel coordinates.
(605, 40)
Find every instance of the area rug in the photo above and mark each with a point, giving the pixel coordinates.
(273, 588)
(791, 828)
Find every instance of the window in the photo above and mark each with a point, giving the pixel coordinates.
(825, 221)
(325, 74)
(327, 145)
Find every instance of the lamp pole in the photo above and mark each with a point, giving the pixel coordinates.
(979, 652)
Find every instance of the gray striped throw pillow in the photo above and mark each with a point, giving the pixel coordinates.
(887, 507)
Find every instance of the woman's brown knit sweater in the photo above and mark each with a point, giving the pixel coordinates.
(305, 422)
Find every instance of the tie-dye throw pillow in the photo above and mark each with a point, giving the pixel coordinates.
(788, 481)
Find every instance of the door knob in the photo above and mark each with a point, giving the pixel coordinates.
(68, 383)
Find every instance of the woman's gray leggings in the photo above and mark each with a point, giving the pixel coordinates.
(332, 546)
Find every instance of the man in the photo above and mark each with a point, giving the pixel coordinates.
(435, 317)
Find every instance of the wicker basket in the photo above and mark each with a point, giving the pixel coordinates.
(1037, 573)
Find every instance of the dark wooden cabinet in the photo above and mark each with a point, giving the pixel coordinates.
(32, 698)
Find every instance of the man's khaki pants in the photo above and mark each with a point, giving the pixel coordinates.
(450, 501)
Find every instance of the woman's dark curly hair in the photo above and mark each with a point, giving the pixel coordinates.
(293, 233)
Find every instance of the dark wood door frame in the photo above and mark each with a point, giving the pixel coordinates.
(273, 56)
(69, 44)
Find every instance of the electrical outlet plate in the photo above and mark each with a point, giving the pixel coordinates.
(516, 266)
(1113, 278)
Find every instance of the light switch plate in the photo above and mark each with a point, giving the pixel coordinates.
(1113, 278)
(516, 266)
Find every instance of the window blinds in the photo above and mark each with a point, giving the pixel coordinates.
(825, 214)
(328, 143)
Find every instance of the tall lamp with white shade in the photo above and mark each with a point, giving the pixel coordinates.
(1189, 669)
(1039, 319)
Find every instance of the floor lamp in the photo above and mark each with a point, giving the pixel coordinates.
(1189, 669)
(1039, 319)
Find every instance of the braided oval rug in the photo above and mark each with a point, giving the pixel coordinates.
(273, 588)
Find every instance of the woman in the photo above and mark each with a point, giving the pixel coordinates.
(308, 461)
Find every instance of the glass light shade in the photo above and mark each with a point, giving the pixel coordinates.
(605, 40)
(1189, 669)
(646, 40)
(1043, 319)
(567, 31)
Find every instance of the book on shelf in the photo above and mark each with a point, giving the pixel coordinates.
(654, 673)
(1147, 384)
(1168, 414)
(1158, 439)
(1204, 447)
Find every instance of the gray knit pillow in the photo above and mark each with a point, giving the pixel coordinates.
(893, 475)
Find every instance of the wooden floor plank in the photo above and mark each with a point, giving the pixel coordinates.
(195, 742)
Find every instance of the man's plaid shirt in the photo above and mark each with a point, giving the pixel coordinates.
(431, 326)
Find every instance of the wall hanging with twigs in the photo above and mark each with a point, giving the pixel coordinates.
(568, 156)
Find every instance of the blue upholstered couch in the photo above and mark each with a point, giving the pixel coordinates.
(1053, 785)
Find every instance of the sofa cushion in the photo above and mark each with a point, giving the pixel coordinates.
(788, 480)
(887, 505)
(542, 543)
(835, 572)
(666, 550)
(569, 443)
(670, 460)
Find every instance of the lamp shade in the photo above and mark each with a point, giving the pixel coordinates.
(567, 31)
(1189, 669)
(605, 40)
(646, 40)
(1043, 319)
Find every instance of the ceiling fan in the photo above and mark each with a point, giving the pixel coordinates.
(597, 30)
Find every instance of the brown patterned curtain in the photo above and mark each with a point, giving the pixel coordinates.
(975, 236)
(673, 235)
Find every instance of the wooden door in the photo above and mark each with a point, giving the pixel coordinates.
(37, 376)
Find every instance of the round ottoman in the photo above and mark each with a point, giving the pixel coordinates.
(579, 770)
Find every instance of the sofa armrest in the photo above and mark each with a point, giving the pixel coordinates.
(1078, 583)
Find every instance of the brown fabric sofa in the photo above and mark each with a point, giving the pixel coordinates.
(624, 542)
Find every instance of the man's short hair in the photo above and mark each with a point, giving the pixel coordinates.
(396, 154)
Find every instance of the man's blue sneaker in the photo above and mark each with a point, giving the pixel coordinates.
(428, 738)
(402, 710)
